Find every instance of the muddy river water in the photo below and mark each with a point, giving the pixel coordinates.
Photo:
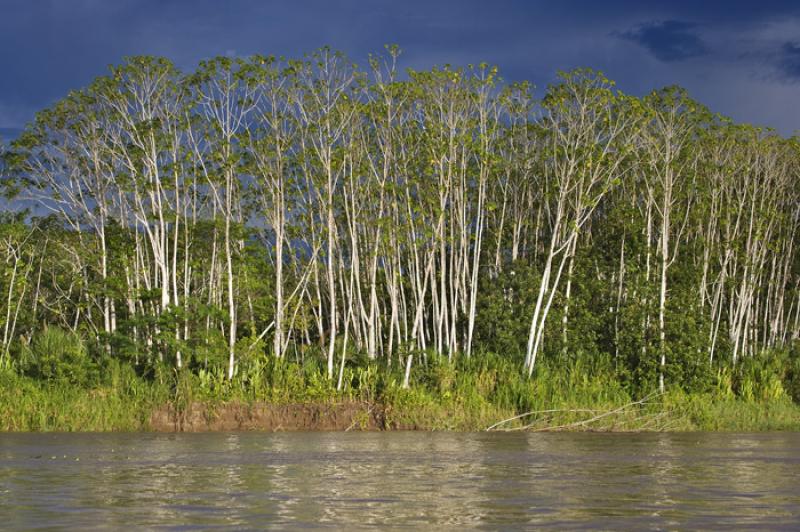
(419, 480)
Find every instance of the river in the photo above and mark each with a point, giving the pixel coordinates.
(417, 479)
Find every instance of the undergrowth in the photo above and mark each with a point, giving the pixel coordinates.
(468, 394)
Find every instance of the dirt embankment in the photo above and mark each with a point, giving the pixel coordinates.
(202, 417)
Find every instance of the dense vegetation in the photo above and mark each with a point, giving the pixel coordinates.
(303, 230)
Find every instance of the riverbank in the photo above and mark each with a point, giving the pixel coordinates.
(469, 395)
(728, 416)
(94, 413)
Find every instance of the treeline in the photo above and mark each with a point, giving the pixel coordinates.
(263, 207)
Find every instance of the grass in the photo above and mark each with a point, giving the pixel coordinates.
(30, 405)
(468, 395)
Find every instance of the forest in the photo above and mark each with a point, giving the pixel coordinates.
(279, 230)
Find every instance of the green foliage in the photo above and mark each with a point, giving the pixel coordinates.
(503, 300)
(762, 378)
(58, 356)
(125, 402)
(468, 395)
(791, 382)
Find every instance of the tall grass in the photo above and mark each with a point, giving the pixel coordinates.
(124, 404)
(469, 394)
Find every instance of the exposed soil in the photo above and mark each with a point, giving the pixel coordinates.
(202, 417)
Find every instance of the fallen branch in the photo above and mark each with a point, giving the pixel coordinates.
(564, 410)
(535, 412)
(356, 420)
(598, 417)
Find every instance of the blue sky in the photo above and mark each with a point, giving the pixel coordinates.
(741, 58)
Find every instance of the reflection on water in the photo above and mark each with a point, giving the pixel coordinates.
(257, 480)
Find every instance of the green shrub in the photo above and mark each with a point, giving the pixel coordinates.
(791, 377)
(56, 355)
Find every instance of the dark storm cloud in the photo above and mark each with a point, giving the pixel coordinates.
(789, 61)
(670, 40)
(52, 46)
